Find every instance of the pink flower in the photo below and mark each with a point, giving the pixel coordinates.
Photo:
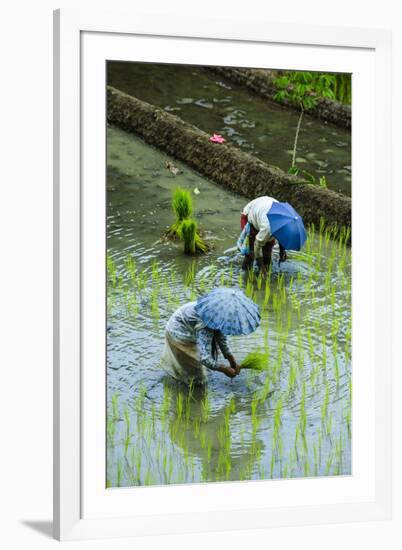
(217, 138)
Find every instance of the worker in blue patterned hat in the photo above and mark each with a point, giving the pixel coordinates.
(197, 332)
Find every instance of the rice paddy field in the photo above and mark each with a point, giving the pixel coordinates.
(291, 419)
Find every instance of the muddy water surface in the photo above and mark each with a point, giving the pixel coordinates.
(291, 420)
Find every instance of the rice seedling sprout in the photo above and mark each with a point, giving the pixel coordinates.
(255, 360)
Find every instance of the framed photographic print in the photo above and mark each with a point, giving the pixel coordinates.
(218, 348)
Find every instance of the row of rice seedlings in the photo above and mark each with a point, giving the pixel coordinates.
(110, 303)
(112, 419)
(111, 270)
(280, 303)
(189, 276)
(205, 408)
(324, 406)
(160, 284)
(303, 413)
(128, 432)
(249, 290)
(277, 421)
(279, 299)
(131, 466)
(331, 234)
(224, 453)
(224, 459)
(156, 274)
(155, 303)
(292, 377)
(326, 418)
(131, 268)
(255, 420)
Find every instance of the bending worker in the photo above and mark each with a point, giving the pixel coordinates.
(263, 222)
(198, 330)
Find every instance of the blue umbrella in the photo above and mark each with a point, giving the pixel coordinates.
(287, 225)
(228, 310)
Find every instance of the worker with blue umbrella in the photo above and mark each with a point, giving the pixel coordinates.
(197, 331)
(264, 221)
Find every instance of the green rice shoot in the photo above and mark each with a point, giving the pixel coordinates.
(188, 230)
(185, 227)
(182, 205)
(255, 360)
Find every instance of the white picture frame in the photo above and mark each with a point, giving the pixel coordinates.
(83, 508)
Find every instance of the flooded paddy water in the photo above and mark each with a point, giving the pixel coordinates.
(256, 125)
(291, 420)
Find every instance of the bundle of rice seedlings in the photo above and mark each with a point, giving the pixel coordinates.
(193, 243)
(255, 360)
(185, 227)
(200, 245)
(182, 205)
(189, 231)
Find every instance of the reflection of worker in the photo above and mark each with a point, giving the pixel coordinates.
(199, 439)
(191, 347)
(263, 222)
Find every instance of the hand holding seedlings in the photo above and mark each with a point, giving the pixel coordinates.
(233, 363)
(228, 371)
(197, 332)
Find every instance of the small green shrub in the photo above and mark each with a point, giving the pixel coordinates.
(302, 89)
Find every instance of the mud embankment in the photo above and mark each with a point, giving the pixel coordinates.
(225, 164)
(261, 82)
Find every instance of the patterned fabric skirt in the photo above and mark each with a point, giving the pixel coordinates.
(182, 361)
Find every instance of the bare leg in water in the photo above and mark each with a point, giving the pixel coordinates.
(248, 261)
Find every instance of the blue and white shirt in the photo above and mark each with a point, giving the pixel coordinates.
(186, 327)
